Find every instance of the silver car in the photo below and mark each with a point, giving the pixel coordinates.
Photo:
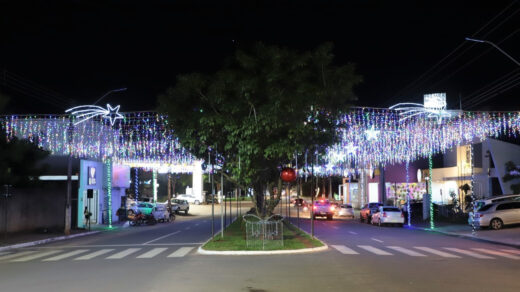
(497, 215)
(346, 210)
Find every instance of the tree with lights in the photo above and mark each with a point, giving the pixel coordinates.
(263, 106)
(512, 173)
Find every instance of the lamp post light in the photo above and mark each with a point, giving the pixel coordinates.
(495, 46)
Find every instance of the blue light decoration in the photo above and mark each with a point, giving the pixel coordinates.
(84, 113)
(136, 185)
(108, 164)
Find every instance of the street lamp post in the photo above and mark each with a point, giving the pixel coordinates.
(495, 46)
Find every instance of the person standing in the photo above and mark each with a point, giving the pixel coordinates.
(87, 215)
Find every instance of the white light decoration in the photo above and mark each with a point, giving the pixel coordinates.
(372, 133)
(351, 149)
(434, 107)
(86, 112)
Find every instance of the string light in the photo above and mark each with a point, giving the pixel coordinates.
(430, 169)
(409, 212)
(108, 172)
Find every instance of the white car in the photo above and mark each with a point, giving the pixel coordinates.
(160, 213)
(190, 198)
(484, 202)
(496, 215)
(346, 210)
(388, 215)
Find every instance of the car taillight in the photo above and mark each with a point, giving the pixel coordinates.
(479, 215)
(402, 215)
(314, 208)
(384, 214)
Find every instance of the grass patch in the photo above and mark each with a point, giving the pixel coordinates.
(235, 239)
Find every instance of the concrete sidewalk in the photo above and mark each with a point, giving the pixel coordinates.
(509, 236)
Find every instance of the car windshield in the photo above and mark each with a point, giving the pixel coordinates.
(391, 209)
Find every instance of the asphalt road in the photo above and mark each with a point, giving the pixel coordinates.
(361, 257)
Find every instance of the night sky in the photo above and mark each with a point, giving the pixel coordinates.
(54, 54)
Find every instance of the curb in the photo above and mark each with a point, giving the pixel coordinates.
(200, 250)
(470, 237)
(43, 241)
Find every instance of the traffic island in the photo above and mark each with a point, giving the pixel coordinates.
(235, 242)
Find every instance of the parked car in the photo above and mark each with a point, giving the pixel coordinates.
(323, 208)
(160, 213)
(388, 215)
(346, 210)
(141, 207)
(496, 215)
(183, 205)
(481, 203)
(190, 198)
(365, 215)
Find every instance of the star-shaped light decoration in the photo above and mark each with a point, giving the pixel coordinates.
(84, 113)
(434, 107)
(372, 133)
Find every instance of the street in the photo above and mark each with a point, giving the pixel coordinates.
(163, 257)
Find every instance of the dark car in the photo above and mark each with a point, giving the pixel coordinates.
(300, 203)
(365, 215)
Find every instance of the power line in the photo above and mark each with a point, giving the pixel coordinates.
(417, 82)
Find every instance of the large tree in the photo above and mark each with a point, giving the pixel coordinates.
(263, 106)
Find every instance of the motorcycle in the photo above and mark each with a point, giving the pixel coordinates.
(140, 219)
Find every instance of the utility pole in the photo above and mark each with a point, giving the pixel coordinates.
(212, 197)
(222, 203)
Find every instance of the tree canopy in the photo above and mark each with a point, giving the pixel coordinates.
(263, 106)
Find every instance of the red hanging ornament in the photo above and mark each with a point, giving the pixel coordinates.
(288, 174)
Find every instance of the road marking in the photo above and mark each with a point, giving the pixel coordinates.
(375, 239)
(197, 224)
(125, 245)
(94, 254)
(352, 232)
(4, 253)
(10, 256)
(497, 253)
(436, 252)
(150, 254)
(187, 228)
(158, 238)
(374, 250)
(469, 253)
(515, 251)
(65, 255)
(406, 251)
(335, 227)
(36, 256)
(181, 252)
(344, 250)
(123, 253)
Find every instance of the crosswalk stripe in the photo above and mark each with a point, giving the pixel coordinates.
(374, 250)
(498, 253)
(150, 254)
(19, 254)
(344, 250)
(515, 251)
(436, 252)
(123, 253)
(36, 256)
(93, 254)
(406, 251)
(468, 253)
(65, 255)
(180, 252)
